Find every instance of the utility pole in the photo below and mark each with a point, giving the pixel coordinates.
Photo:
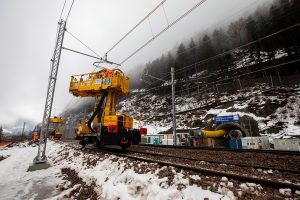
(40, 161)
(1, 131)
(173, 106)
(23, 130)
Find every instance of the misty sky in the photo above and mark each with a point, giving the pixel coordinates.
(28, 30)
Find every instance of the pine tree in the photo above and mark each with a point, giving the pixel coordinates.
(220, 40)
(206, 49)
(182, 58)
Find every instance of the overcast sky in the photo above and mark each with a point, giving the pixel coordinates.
(28, 30)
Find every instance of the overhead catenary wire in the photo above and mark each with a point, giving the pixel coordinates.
(164, 30)
(226, 79)
(187, 49)
(138, 24)
(62, 10)
(242, 46)
(226, 19)
(69, 11)
(167, 20)
(76, 38)
(248, 21)
(85, 54)
(203, 61)
(241, 75)
(223, 53)
(89, 48)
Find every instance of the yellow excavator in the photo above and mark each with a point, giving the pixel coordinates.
(105, 126)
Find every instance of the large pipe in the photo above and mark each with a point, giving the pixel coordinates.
(213, 134)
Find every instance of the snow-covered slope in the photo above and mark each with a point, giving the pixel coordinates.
(270, 110)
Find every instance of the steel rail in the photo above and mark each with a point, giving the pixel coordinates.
(217, 162)
(242, 178)
(282, 152)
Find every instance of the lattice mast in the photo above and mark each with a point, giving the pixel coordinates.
(41, 157)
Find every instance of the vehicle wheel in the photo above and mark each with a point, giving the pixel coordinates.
(83, 143)
(124, 147)
(99, 144)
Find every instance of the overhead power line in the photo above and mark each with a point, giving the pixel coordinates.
(246, 22)
(239, 76)
(62, 10)
(76, 38)
(242, 46)
(222, 54)
(74, 51)
(139, 23)
(69, 11)
(164, 30)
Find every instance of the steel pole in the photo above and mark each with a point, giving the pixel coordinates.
(173, 106)
(23, 130)
(41, 156)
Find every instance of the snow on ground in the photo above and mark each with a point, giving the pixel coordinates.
(118, 180)
(114, 177)
(17, 183)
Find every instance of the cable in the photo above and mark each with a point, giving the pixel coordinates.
(223, 80)
(165, 29)
(167, 20)
(150, 27)
(139, 23)
(62, 10)
(241, 75)
(214, 57)
(242, 46)
(246, 7)
(83, 44)
(69, 10)
(188, 49)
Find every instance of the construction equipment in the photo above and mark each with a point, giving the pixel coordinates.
(56, 122)
(105, 127)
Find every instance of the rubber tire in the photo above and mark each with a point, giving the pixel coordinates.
(124, 147)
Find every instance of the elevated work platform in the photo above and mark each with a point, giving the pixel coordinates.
(92, 84)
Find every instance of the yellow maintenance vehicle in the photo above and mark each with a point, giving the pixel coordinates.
(56, 122)
(105, 126)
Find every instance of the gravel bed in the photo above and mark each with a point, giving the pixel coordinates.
(250, 158)
(248, 171)
(241, 190)
(85, 191)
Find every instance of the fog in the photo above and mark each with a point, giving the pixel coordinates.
(28, 31)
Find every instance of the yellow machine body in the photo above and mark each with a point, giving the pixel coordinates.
(82, 129)
(92, 84)
(57, 121)
(113, 120)
(110, 128)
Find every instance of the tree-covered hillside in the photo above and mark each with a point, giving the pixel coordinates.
(267, 34)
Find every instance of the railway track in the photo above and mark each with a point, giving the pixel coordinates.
(177, 162)
(219, 162)
(279, 152)
(281, 162)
